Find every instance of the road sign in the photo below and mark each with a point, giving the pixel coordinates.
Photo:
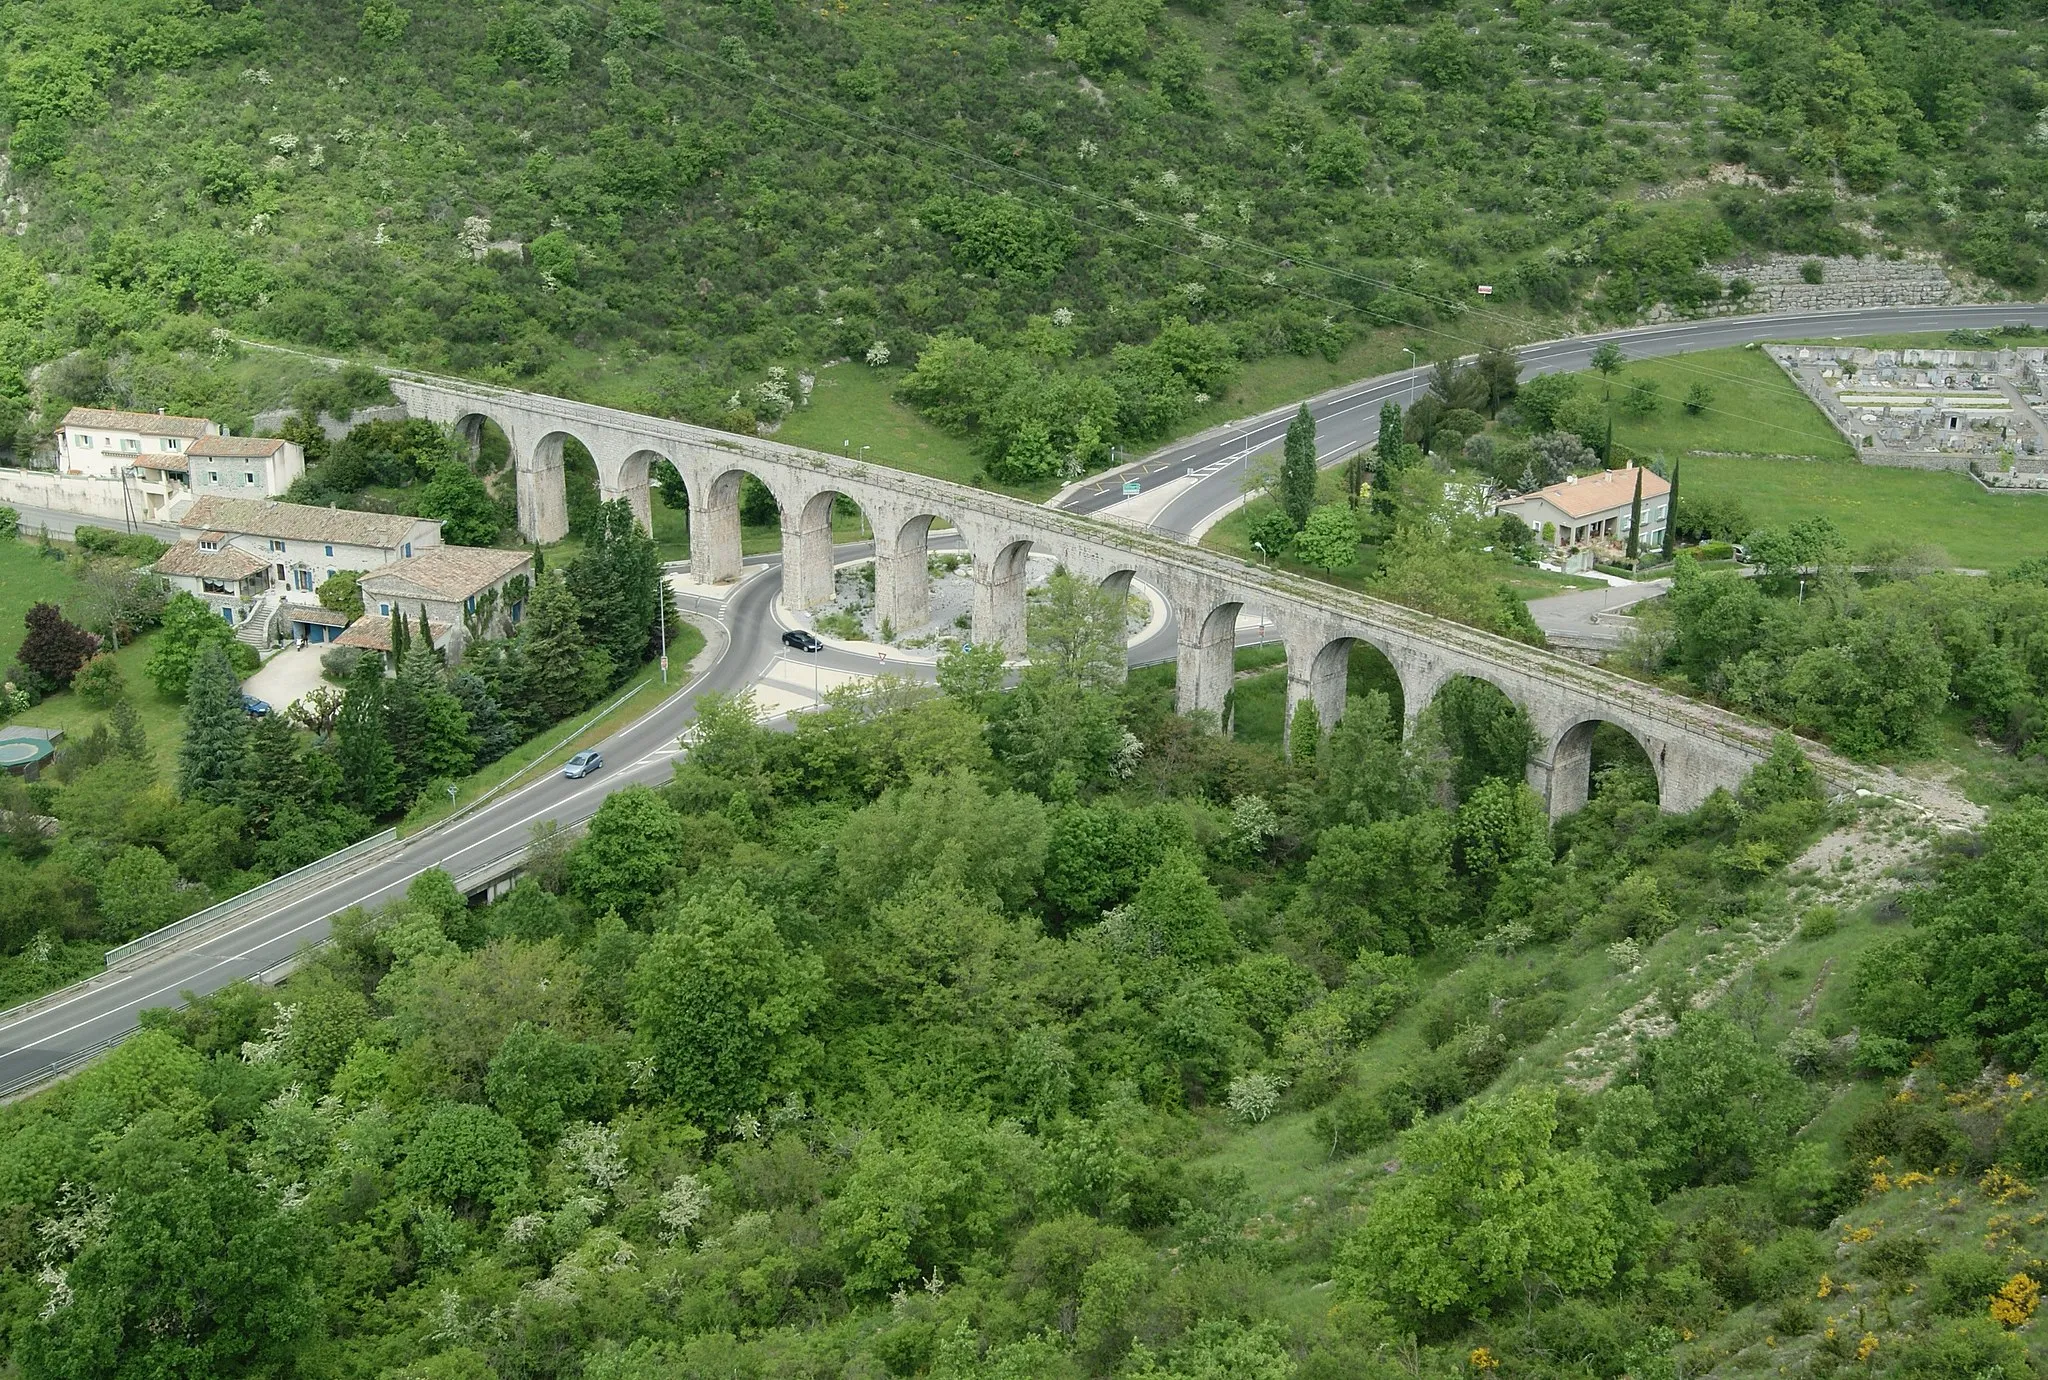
(1486, 289)
(664, 665)
(1132, 488)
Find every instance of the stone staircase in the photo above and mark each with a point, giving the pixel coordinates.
(254, 631)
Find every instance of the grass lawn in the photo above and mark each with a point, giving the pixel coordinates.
(854, 406)
(27, 576)
(1755, 410)
(1978, 530)
(552, 746)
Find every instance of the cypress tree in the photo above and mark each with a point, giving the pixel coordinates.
(216, 747)
(1298, 468)
(426, 630)
(400, 638)
(369, 774)
(1671, 512)
(1391, 438)
(1635, 519)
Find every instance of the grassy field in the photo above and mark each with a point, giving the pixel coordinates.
(854, 406)
(26, 577)
(1941, 508)
(1755, 408)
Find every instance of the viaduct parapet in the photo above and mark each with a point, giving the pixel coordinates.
(1694, 748)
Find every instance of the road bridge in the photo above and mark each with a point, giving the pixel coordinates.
(1692, 747)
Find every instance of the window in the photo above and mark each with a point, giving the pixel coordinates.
(205, 545)
(131, 446)
(213, 476)
(305, 580)
(249, 477)
(85, 442)
(276, 545)
(330, 569)
(383, 610)
(171, 443)
(469, 604)
(408, 548)
(330, 552)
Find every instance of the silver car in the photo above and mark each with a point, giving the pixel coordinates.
(583, 764)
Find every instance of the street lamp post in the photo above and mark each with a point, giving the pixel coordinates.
(1413, 360)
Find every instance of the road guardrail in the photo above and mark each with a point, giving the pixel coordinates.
(275, 888)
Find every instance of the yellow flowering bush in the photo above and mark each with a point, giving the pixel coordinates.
(2016, 1301)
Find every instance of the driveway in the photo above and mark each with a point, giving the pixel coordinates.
(286, 676)
(1592, 617)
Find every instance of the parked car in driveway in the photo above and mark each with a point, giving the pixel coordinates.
(583, 764)
(255, 707)
(802, 640)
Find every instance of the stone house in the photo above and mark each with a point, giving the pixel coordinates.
(244, 466)
(1593, 510)
(466, 591)
(257, 562)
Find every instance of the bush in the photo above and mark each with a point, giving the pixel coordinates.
(10, 523)
(1820, 922)
(338, 664)
(100, 541)
(1964, 1282)
(2024, 1139)
(99, 682)
(1812, 271)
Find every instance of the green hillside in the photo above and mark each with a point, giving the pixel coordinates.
(1121, 204)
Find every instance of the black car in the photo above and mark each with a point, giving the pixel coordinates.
(802, 640)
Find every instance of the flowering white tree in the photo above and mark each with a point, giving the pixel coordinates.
(475, 237)
(683, 1205)
(878, 354)
(1253, 1096)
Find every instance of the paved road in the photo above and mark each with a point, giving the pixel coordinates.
(746, 641)
(62, 524)
(1349, 417)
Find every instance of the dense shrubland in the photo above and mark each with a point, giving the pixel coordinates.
(1100, 210)
(1871, 663)
(908, 1040)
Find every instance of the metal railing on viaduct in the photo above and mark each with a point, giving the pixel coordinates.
(1693, 747)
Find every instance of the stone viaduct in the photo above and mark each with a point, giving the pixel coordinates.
(1693, 747)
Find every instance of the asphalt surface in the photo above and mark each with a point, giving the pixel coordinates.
(1348, 417)
(62, 524)
(745, 641)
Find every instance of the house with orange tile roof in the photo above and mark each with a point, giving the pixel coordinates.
(1593, 510)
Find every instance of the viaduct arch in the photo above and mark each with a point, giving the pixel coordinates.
(1694, 748)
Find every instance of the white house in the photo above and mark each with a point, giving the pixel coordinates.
(102, 444)
(253, 560)
(463, 589)
(1592, 510)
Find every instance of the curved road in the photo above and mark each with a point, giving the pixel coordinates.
(745, 641)
(1208, 469)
